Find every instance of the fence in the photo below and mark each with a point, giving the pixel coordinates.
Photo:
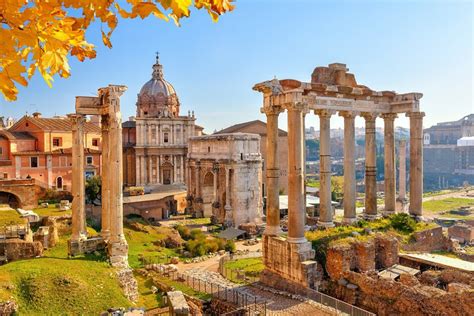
(243, 301)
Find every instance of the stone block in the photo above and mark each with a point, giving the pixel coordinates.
(16, 249)
(339, 258)
(386, 250)
(365, 255)
(90, 245)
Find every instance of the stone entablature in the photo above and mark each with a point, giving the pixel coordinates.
(225, 173)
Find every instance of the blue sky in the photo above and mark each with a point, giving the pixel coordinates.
(406, 46)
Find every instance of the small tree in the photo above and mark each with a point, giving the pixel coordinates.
(93, 188)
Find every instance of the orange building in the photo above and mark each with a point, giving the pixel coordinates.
(40, 148)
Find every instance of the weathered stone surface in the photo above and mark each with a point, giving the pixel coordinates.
(386, 249)
(250, 228)
(8, 308)
(462, 232)
(388, 297)
(364, 255)
(408, 280)
(428, 240)
(15, 249)
(128, 284)
(339, 258)
(177, 303)
(76, 247)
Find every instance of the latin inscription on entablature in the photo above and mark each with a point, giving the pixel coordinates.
(344, 104)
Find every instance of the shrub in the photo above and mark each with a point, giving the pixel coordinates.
(403, 222)
(230, 246)
(197, 234)
(184, 232)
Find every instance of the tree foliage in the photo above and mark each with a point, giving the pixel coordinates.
(93, 188)
(37, 35)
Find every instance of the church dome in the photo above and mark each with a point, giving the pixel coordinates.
(157, 97)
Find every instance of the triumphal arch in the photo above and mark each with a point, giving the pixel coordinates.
(332, 90)
(107, 106)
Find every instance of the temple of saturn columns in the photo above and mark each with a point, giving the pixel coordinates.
(332, 90)
(107, 105)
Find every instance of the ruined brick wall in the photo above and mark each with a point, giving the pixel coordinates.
(380, 251)
(428, 240)
(388, 297)
(461, 232)
(15, 249)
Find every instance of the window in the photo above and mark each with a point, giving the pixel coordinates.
(165, 138)
(95, 142)
(89, 160)
(59, 183)
(1, 151)
(57, 141)
(209, 149)
(5, 175)
(34, 162)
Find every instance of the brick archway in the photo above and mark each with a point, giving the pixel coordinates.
(10, 199)
(25, 191)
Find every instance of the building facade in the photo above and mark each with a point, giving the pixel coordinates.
(156, 140)
(449, 153)
(260, 128)
(40, 148)
(225, 172)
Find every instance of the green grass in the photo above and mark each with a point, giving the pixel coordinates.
(146, 298)
(10, 217)
(436, 206)
(53, 284)
(437, 193)
(51, 210)
(313, 183)
(146, 244)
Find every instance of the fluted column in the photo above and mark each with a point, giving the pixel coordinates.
(349, 167)
(389, 163)
(272, 172)
(325, 204)
(137, 171)
(150, 169)
(79, 231)
(296, 203)
(105, 191)
(416, 163)
(370, 211)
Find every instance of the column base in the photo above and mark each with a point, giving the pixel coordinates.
(273, 230)
(105, 235)
(118, 253)
(418, 218)
(371, 217)
(349, 220)
(387, 213)
(325, 224)
(296, 240)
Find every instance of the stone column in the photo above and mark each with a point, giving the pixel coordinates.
(197, 170)
(79, 231)
(272, 172)
(137, 170)
(402, 172)
(296, 203)
(325, 204)
(150, 169)
(227, 207)
(416, 163)
(349, 167)
(174, 180)
(181, 159)
(142, 171)
(389, 163)
(370, 211)
(105, 191)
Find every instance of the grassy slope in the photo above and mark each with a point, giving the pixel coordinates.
(436, 206)
(54, 284)
(10, 217)
(52, 210)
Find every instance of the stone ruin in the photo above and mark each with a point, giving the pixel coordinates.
(289, 262)
(107, 106)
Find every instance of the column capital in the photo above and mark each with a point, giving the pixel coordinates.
(369, 116)
(389, 116)
(415, 115)
(271, 110)
(348, 114)
(76, 118)
(324, 113)
(296, 106)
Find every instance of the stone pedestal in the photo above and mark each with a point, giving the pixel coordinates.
(287, 263)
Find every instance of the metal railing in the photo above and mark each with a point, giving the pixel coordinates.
(243, 301)
(237, 275)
